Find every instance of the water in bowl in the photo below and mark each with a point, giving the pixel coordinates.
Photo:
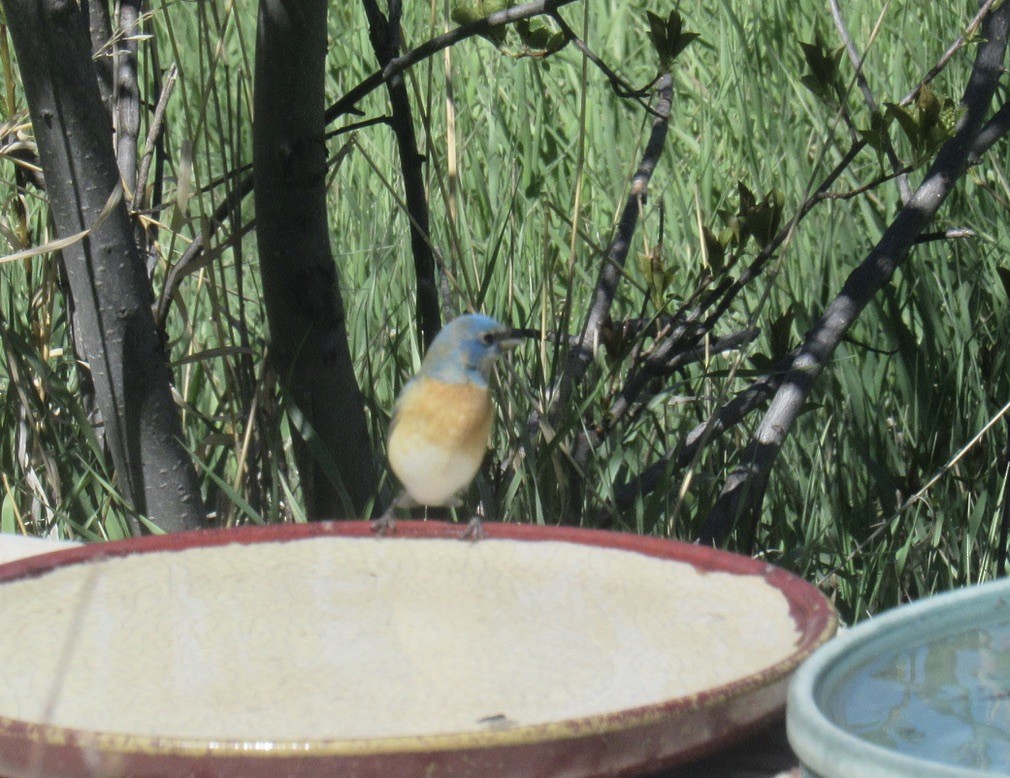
(946, 700)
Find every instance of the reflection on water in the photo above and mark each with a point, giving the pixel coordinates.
(947, 700)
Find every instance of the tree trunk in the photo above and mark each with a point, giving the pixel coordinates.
(308, 336)
(107, 278)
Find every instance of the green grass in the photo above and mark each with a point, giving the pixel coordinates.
(545, 152)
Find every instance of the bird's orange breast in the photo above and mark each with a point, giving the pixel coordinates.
(453, 414)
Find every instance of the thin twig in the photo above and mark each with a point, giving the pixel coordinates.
(955, 234)
(153, 133)
(620, 86)
(868, 187)
(956, 46)
(857, 59)
(354, 126)
(347, 104)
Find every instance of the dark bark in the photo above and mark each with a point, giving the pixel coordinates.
(308, 336)
(106, 273)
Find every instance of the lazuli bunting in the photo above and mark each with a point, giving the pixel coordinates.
(441, 424)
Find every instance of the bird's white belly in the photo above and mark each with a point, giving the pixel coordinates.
(431, 473)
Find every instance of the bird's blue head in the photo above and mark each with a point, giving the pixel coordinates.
(466, 349)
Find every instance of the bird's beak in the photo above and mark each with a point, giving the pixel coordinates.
(508, 339)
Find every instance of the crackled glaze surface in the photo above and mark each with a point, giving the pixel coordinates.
(339, 637)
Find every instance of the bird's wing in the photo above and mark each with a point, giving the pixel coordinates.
(407, 388)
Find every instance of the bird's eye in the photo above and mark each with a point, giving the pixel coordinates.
(487, 338)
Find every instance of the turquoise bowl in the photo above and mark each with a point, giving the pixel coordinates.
(921, 691)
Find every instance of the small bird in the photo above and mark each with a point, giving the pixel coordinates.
(441, 424)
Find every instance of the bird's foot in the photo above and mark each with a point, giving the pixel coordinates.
(385, 524)
(474, 530)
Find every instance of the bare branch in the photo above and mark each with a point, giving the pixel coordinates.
(153, 133)
(100, 32)
(867, 187)
(691, 327)
(904, 189)
(301, 290)
(385, 37)
(347, 103)
(110, 289)
(580, 356)
(953, 49)
(744, 490)
(997, 127)
(727, 417)
(620, 86)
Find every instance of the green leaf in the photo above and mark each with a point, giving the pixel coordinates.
(733, 232)
(823, 62)
(231, 494)
(747, 198)
(761, 219)
(780, 334)
(715, 250)
(811, 82)
(876, 135)
(908, 121)
(929, 107)
(668, 37)
(657, 32)
(540, 35)
(657, 276)
(681, 42)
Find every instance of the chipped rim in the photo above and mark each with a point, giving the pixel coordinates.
(813, 616)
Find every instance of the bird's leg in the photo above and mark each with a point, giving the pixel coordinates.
(474, 530)
(386, 523)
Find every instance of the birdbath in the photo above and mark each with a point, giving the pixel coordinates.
(318, 649)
